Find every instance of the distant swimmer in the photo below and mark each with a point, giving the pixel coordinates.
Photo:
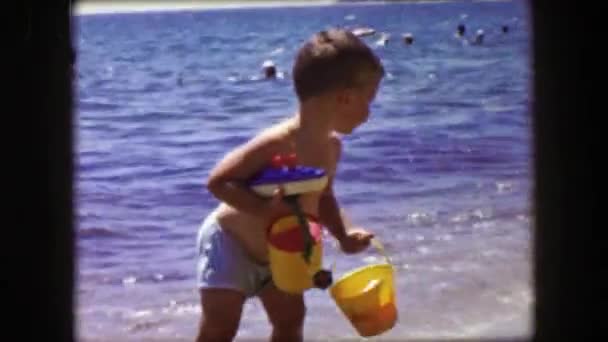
(383, 39)
(269, 69)
(460, 30)
(479, 35)
(505, 28)
(408, 38)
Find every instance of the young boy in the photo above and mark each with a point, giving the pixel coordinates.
(336, 77)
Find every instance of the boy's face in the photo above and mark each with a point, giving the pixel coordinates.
(352, 108)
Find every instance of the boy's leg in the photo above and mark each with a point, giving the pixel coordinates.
(221, 314)
(222, 279)
(286, 313)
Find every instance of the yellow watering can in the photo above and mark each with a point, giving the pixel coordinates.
(292, 271)
(294, 242)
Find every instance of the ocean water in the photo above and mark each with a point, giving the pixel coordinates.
(441, 172)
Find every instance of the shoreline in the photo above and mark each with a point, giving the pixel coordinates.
(104, 7)
(96, 7)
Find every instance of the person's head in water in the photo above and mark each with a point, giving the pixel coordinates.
(270, 70)
(383, 39)
(460, 30)
(505, 28)
(479, 37)
(408, 38)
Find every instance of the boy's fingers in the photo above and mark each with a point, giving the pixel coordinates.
(364, 235)
(366, 239)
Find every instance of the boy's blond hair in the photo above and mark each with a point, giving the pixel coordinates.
(333, 59)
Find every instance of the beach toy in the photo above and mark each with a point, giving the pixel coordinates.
(366, 296)
(295, 179)
(294, 242)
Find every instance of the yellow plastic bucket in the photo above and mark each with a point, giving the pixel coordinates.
(290, 272)
(366, 296)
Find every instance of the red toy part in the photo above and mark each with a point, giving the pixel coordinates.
(292, 240)
(290, 160)
(276, 161)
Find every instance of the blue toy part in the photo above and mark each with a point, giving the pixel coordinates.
(285, 174)
(295, 179)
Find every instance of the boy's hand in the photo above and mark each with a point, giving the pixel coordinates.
(355, 241)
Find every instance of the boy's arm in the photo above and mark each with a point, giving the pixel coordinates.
(351, 240)
(227, 180)
(332, 217)
(330, 214)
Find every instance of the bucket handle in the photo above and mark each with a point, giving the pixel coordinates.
(380, 248)
(375, 242)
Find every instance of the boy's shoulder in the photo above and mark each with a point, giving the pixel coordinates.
(270, 138)
(280, 134)
(275, 133)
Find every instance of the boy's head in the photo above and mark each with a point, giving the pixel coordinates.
(337, 66)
